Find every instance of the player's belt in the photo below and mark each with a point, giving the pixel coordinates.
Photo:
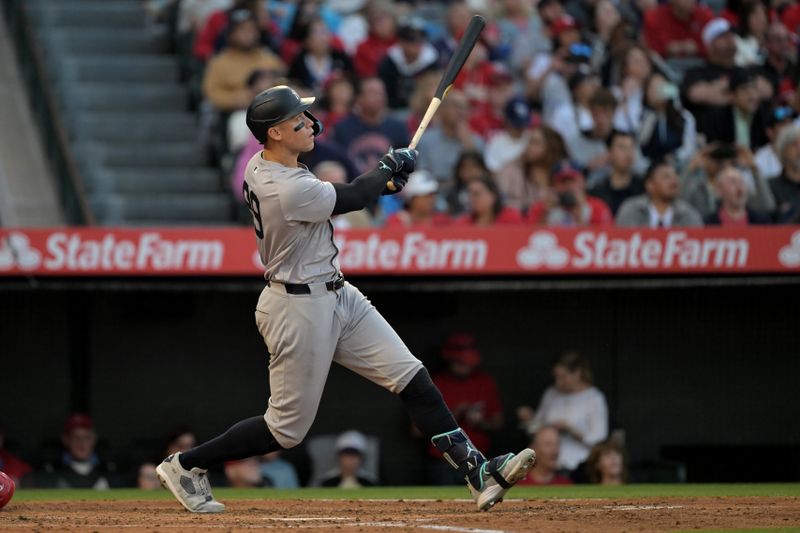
(303, 288)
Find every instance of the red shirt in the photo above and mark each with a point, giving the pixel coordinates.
(484, 121)
(791, 18)
(661, 27)
(475, 83)
(557, 480)
(369, 53)
(507, 215)
(726, 220)
(477, 389)
(401, 219)
(600, 213)
(206, 41)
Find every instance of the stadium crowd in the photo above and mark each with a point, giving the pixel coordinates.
(567, 112)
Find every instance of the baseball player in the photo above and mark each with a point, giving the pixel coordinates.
(310, 316)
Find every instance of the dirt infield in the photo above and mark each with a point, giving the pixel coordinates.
(548, 515)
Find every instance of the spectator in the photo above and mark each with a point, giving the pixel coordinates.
(225, 79)
(146, 478)
(664, 128)
(733, 210)
(636, 69)
(336, 102)
(475, 77)
(751, 37)
(706, 86)
(469, 166)
(527, 180)
(546, 443)
(245, 473)
(742, 121)
(673, 29)
(424, 91)
(486, 120)
(335, 172)
(12, 465)
(606, 464)
(660, 206)
(573, 116)
(780, 65)
(472, 396)
(279, 472)
(368, 132)
(238, 132)
(456, 21)
(350, 449)
(766, 158)
(521, 34)
(574, 407)
(568, 204)
(486, 205)
(619, 183)
(419, 204)
(80, 467)
(606, 18)
(381, 37)
(443, 143)
(317, 61)
(786, 187)
(405, 61)
(193, 14)
(508, 145)
(588, 149)
(180, 440)
(211, 37)
(295, 22)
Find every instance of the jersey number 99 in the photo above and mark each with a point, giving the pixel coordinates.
(254, 206)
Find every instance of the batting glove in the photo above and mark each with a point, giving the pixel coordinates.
(403, 159)
(399, 180)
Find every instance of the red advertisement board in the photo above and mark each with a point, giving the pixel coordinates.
(450, 251)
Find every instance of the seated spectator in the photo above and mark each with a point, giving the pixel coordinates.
(766, 158)
(636, 69)
(475, 77)
(780, 66)
(527, 180)
(146, 477)
(664, 128)
(573, 116)
(350, 449)
(742, 121)
(80, 467)
(424, 91)
(786, 187)
(193, 15)
(605, 20)
(472, 396)
(469, 166)
(733, 210)
(381, 37)
(12, 465)
(520, 33)
(238, 132)
(573, 406)
(486, 205)
(211, 36)
(456, 21)
(336, 103)
(180, 440)
(245, 473)
(317, 61)
(225, 78)
(368, 131)
(660, 206)
(279, 472)
(419, 204)
(295, 19)
(569, 205)
(334, 172)
(507, 145)
(450, 135)
(486, 120)
(673, 29)
(751, 35)
(606, 463)
(705, 87)
(546, 443)
(619, 182)
(588, 149)
(405, 61)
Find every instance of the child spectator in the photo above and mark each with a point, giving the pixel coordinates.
(405, 61)
(419, 204)
(350, 449)
(606, 464)
(486, 205)
(568, 204)
(546, 443)
(733, 210)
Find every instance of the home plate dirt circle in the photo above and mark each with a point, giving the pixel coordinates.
(541, 515)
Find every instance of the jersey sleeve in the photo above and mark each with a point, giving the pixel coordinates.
(306, 199)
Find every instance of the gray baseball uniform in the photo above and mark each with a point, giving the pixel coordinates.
(304, 332)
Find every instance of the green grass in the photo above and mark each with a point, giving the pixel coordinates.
(445, 493)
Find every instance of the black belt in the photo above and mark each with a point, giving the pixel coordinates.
(302, 288)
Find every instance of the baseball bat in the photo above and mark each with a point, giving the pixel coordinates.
(460, 55)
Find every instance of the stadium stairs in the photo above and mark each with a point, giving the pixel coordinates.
(132, 135)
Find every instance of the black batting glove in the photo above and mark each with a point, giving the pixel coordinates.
(402, 159)
(399, 180)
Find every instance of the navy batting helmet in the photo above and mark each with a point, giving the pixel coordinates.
(276, 105)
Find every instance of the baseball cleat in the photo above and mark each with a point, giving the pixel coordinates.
(498, 475)
(190, 487)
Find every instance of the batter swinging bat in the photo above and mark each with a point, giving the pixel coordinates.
(460, 55)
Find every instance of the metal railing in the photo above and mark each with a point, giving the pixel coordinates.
(50, 125)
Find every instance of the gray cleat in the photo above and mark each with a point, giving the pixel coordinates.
(190, 487)
(496, 476)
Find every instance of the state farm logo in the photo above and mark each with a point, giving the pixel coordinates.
(16, 251)
(413, 251)
(789, 256)
(542, 250)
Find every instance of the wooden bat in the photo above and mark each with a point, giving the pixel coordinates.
(460, 55)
